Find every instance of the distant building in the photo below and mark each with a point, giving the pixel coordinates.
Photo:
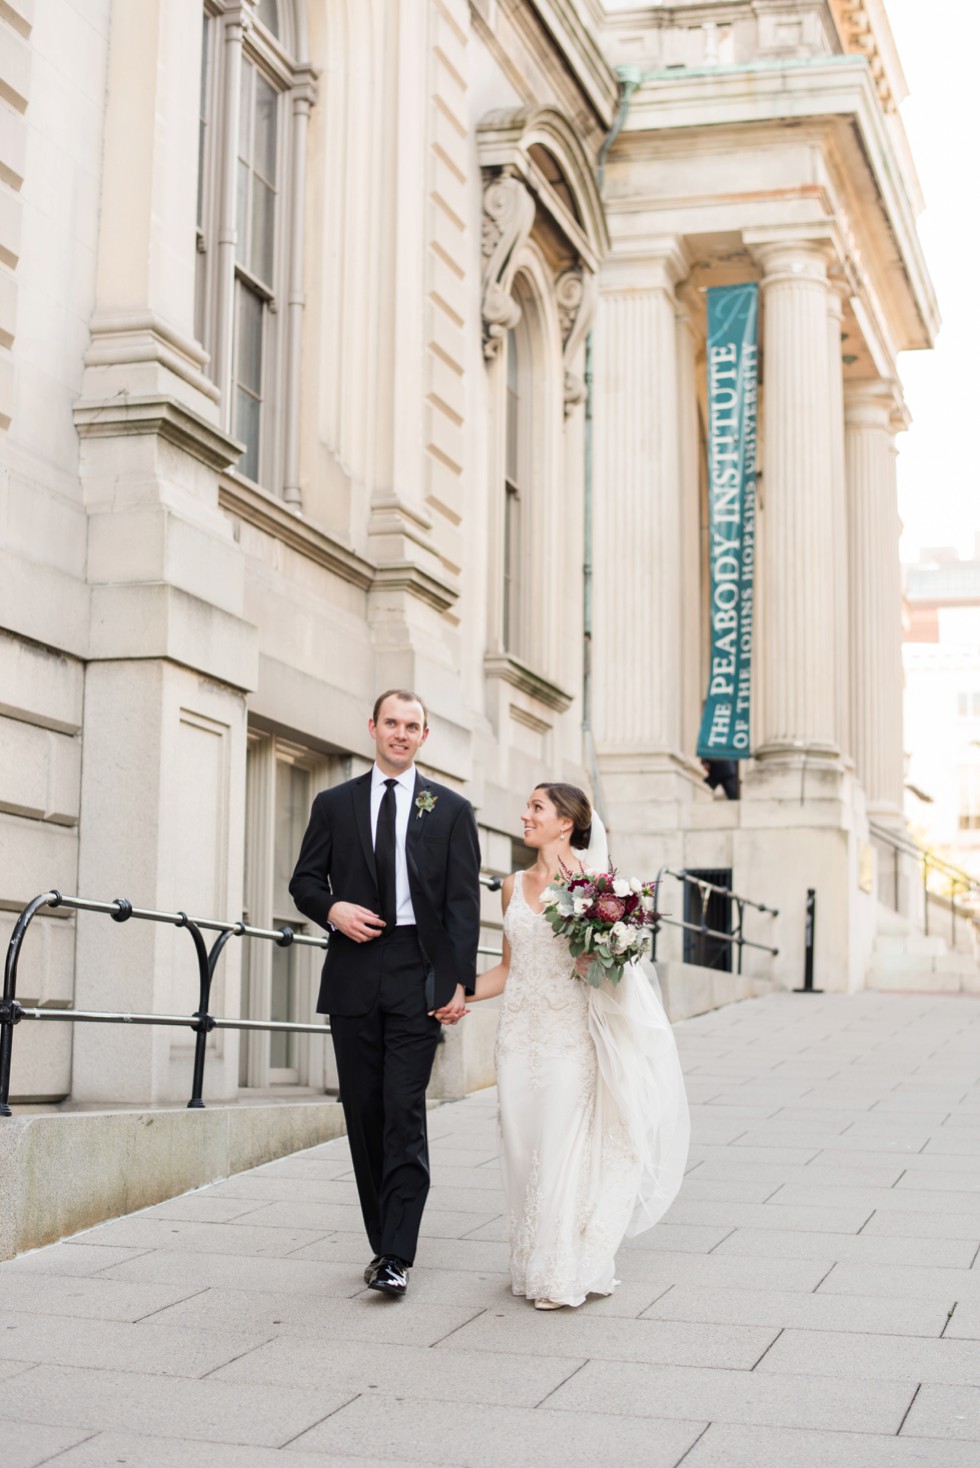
(295, 301)
(942, 704)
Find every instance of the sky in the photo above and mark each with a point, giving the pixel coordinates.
(939, 462)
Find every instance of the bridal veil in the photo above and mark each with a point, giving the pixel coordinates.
(640, 1081)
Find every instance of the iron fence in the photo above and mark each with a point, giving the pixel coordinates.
(202, 1022)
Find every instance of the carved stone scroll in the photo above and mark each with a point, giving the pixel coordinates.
(508, 217)
(576, 295)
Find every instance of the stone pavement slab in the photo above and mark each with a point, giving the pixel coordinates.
(727, 1446)
(443, 1434)
(103, 1449)
(861, 1313)
(948, 1412)
(830, 1402)
(166, 1406)
(811, 1301)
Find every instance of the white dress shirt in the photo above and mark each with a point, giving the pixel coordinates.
(404, 795)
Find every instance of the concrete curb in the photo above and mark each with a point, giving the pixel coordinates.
(63, 1173)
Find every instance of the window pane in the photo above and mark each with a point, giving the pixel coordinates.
(247, 414)
(245, 113)
(203, 122)
(241, 215)
(266, 114)
(268, 14)
(292, 813)
(282, 1047)
(248, 364)
(263, 231)
(513, 409)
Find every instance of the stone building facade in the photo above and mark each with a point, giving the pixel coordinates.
(336, 337)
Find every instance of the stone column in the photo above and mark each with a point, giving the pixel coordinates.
(637, 653)
(797, 677)
(875, 594)
(838, 506)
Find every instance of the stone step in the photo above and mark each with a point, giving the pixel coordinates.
(918, 981)
(916, 944)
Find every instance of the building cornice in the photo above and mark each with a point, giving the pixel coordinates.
(775, 92)
(581, 53)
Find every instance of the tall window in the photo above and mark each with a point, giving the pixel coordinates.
(255, 259)
(512, 501)
(279, 983)
(254, 104)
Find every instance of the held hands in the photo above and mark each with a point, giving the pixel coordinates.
(359, 924)
(452, 1013)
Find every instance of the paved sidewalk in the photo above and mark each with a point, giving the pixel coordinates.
(811, 1301)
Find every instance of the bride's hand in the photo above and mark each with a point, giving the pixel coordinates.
(582, 965)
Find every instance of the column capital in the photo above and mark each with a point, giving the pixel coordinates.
(801, 252)
(876, 402)
(650, 262)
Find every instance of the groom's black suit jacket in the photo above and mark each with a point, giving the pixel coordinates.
(336, 864)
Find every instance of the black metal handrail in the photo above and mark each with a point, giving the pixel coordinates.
(900, 841)
(735, 938)
(121, 910)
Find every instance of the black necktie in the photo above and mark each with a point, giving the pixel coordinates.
(384, 855)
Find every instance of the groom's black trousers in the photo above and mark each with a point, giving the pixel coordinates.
(384, 1060)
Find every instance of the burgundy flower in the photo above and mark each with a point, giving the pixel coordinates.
(609, 908)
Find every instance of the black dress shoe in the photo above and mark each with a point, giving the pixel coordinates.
(391, 1276)
(372, 1269)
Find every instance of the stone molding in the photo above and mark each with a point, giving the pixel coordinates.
(410, 577)
(511, 670)
(120, 340)
(124, 416)
(267, 513)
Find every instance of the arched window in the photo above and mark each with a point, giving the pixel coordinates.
(515, 488)
(255, 98)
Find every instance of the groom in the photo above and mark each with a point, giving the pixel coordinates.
(391, 863)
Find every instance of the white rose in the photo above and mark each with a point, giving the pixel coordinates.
(621, 887)
(581, 905)
(619, 937)
(636, 886)
(647, 904)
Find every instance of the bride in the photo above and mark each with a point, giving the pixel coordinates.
(593, 1113)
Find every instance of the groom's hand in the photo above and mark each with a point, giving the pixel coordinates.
(452, 1012)
(359, 924)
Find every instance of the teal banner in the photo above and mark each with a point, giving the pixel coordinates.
(733, 359)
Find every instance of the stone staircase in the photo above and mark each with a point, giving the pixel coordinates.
(907, 960)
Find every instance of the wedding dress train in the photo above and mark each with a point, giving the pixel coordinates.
(593, 1113)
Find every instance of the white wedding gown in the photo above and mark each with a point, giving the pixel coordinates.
(593, 1113)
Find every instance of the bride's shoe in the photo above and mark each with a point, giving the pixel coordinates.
(548, 1305)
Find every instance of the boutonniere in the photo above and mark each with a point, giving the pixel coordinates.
(425, 801)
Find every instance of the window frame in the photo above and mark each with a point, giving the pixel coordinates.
(237, 38)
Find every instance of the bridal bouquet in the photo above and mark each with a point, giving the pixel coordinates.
(605, 917)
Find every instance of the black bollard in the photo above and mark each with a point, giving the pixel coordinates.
(811, 917)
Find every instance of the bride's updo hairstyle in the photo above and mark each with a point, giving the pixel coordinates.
(574, 805)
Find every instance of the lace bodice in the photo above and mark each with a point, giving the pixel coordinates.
(544, 1011)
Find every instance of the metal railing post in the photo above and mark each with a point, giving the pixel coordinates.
(808, 944)
(925, 892)
(205, 1023)
(9, 1015)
